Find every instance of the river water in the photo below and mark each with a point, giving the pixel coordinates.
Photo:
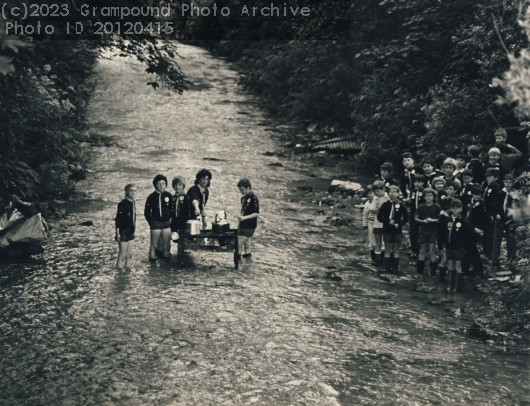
(76, 331)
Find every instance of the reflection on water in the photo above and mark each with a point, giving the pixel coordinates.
(77, 331)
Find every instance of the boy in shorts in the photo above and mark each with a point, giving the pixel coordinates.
(125, 226)
(181, 208)
(393, 215)
(459, 230)
(441, 234)
(427, 217)
(248, 220)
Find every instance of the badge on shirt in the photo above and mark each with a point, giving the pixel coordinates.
(166, 199)
(397, 206)
(449, 225)
(181, 198)
(476, 204)
(419, 194)
(489, 191)
(469, 192)
(413, 171)
(458, 225)
(387, 184)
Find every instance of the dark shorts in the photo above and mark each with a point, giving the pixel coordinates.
(159, 225)
(427, 237)
(246, 232)
(392, 238)
(126, 236)
(455, 254)
(378, 230)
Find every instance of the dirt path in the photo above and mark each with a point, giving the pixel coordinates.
(77, 331)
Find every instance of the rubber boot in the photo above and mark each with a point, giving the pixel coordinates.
(372, 255)
(434, 265)
(420, 266)
(459, 281)
(388, 265)
(452, 281)
(378, 259)
(441, 275)
(395, 266)
(391, 260)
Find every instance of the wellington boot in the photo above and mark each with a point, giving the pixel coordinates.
(452, 281)
(420, 266)
(372, 255)
(388, 265)
(378, 258)
(441, 275)
(391, 259)
(395, 266)
(459, 281)
(434, 265)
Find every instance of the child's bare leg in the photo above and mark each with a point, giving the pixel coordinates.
(443, 258)
(451, 265)
(166, 241)
(122, 254)
(395, 249)
(423, 249)
(458, 266)
(160, 246)
(242, 241)
(378, 243)
(388, 245)
(129, 255)
(247, 246)
(432, 252)
(155, 238)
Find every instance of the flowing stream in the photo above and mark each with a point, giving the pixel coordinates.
(76, 331)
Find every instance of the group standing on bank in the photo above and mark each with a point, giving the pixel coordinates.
(451, 205)
(168, 214)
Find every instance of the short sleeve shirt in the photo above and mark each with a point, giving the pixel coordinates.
(249, 205)
(424, 212)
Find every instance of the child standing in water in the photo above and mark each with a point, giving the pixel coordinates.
(379, 198)
(248, 220)
(158, 214)
(126, 226)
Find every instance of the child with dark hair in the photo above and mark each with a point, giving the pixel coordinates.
(461, 162)
(416, 199)
(475, 213)
(248, 220)
(181, 207)
(368, 220)
(427, 216)
(157, 212)
(199, 194)
(393, 215)
(490, 203)
(451, 188)
(407, 177)
(475, 164)
(380, 197)
(126, 226)
(440, 158)
(429, 171)
(459, 230)
(386, 175)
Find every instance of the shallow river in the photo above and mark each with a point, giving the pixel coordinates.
(76, 331)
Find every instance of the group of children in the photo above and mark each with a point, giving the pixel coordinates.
(451, 205)
(168, 214)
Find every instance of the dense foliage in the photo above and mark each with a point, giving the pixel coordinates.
(44, 88)
(415, 75)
